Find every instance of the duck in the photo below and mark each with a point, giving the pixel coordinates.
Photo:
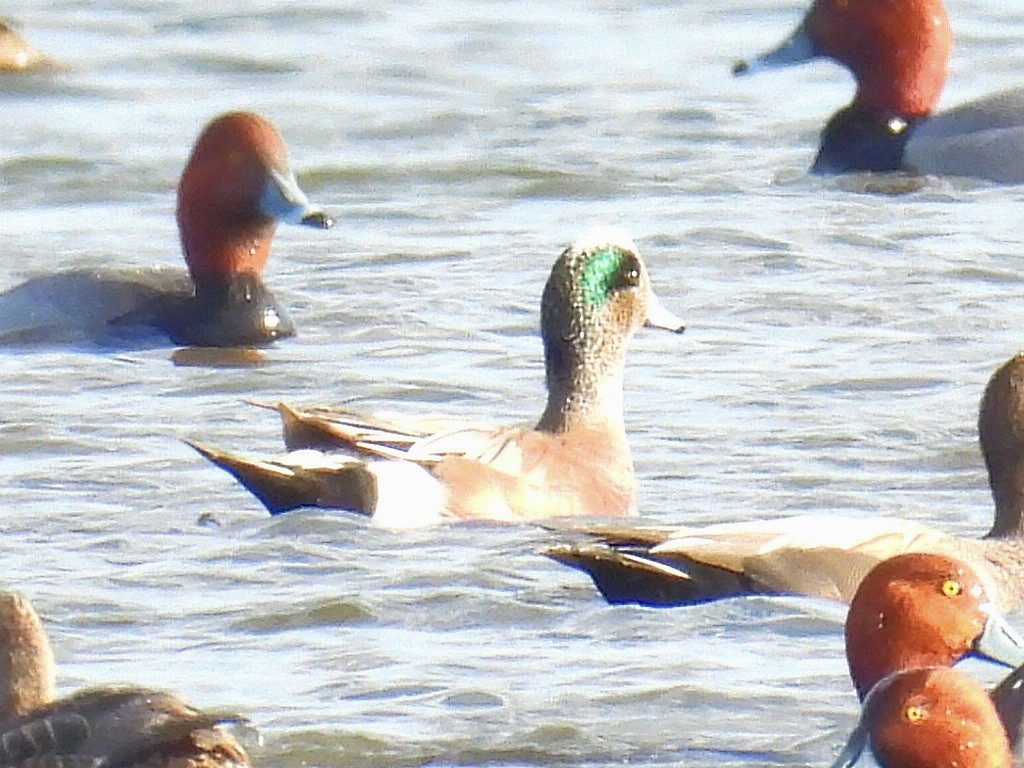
(818, 555)
(17, 55)
(411, 473)
(899, 55)
(911, 619)
(112, 727)
(921, 718)
(921, 609)
(235, 188)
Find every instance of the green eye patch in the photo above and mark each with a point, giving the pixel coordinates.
(601, 273)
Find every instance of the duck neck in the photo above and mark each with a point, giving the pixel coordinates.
(226, 310)
(1008, 494)
(226, 248)
(26, 659)
(215, 289)
(882, 650)
(910, 93)
(582, 396)
(856, 139)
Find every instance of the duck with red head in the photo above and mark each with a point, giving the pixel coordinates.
(912, 617)
(931, 717)
(922, 610)
(235, 188)
(898, 51)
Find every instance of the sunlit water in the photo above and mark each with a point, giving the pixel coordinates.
(838, 344)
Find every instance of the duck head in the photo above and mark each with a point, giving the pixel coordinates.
(597, 296)
(921, 610)
(898, 51)
(26, 658)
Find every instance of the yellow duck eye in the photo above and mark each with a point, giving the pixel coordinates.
(915, 713)
(951, 588)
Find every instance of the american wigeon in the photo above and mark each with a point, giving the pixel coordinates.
(912, 618)
(899, 54)
(119, 727)
(235, 188)
(576, 461)
(821, 555)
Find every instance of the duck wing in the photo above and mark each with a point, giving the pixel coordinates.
(820, 556)
(424, 440)
(118, 728)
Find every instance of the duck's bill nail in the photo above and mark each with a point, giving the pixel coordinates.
(999, 641)
(284, 200)
(795, 49)
(853, 748)
(318, 220)
(659, 317)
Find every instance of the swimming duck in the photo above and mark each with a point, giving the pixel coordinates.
(912, 617)
(235, 188)
(929, 717)
(898, 51)
(821, 555)
(120, 727)
(576, 461)
(922, 610)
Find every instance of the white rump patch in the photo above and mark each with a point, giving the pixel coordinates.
(408, 496)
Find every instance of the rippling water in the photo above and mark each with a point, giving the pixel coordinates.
(837, 348)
